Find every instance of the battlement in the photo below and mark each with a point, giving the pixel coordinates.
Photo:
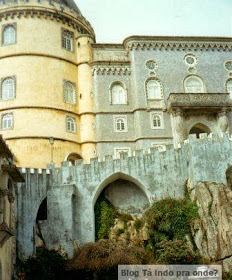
(152, 161)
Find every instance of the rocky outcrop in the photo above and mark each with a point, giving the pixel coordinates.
(212, 231)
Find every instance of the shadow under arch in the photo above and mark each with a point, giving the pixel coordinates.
(72, 158)
(199, 128)
(114, 177)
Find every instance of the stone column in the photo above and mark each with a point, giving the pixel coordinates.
(223, 122)
(178, 129)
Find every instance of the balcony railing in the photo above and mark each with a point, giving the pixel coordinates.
(198, 100)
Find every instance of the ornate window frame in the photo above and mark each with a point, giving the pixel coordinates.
(9, 114)
(123, 150)
(67, 39)
(13, 78)
(151, 61)
(4, 27)
(123, 120)
(111, 93)
(161, 118)
(71, 124)
(161, 88)
(199, 78)
(192, 56)
(230, 63)
(74, 93)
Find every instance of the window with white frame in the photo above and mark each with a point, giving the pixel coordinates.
(153, 89)
(7, 121)
(118, 94)
(229, 87)
(118, 151)
(67, 40)
(120, 123)
(156, 120)
(69, 92)
(8, 88)
(9, 35)
(70, 124)
(193, 84)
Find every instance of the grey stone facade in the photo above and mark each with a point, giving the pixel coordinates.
(126, 63)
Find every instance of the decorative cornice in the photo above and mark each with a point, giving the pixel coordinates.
(177, 43)
(53, 12)
(111, 69)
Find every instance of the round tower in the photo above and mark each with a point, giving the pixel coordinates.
(46, 83)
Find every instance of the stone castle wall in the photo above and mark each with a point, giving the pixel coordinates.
(72, 191)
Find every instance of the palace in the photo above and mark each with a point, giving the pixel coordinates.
(66, 97)
(120, 117)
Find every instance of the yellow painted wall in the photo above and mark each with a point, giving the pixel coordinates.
(40, 65)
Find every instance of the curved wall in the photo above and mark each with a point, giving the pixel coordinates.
(40, 65)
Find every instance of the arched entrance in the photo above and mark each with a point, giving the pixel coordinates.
(73, 157)
(118, 194)
(199, 128)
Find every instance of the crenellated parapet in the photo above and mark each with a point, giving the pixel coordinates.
(73, 190)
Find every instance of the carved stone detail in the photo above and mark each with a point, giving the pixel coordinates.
(111, 70)
(152, 45)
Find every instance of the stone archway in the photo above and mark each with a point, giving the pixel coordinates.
(121, 193)
(199, 128)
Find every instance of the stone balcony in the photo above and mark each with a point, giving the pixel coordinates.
(195, 101)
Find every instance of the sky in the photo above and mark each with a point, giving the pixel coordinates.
(114, 20)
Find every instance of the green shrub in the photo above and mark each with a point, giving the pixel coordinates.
(46, 265)
(176, 252)
(105, 215)
(169, 219)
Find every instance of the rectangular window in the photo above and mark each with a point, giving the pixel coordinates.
(157, 121)
(7, 121)
(67, 40)
(70, 124)
(120, 123)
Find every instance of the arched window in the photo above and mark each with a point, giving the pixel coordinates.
(70, 124)
(193, 84)
(118, 94)
(73, 157)
(69, 92)
(120, 123)
(156, 120)
(8, 89)
(153, 89)
(9, 35)
(7, 121)
(229, 87)
(67, 40)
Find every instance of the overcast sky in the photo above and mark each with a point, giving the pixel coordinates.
(114, 20)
